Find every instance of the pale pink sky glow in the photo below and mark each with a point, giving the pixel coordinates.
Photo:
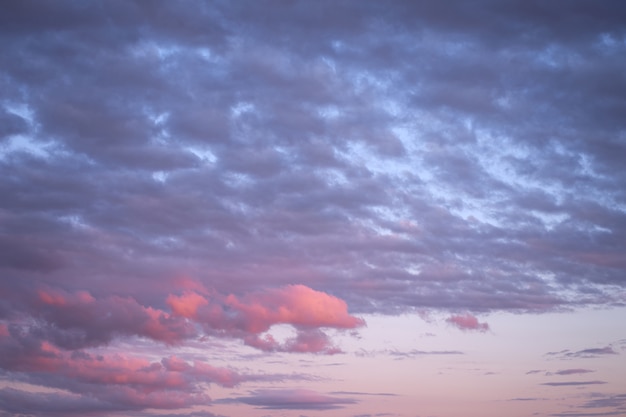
(350, 208)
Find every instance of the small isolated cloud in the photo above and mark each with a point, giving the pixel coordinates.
(573, 383)
(608, 350)
(585, 353)
(534, 371)
(381, 394)
(416, 352)
(191, 414)
(608, 413)
(526, 399)
(375, 415)
(467, 322)
(571, 371)
(291, 399)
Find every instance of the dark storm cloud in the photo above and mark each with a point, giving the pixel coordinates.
(394, 156)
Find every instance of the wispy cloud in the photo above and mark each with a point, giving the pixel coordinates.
(573, 383)
(585, 353)
(291, 399)
(570, 371)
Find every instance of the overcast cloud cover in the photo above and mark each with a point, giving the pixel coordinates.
(187, 176)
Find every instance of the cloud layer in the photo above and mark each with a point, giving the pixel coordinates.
(175, 172)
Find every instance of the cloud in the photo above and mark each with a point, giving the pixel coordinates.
(585, 353)
(608, 350)
(416, 352)
(306, 341)
(607, 413)
(255, 313)
(617, 401)
(527, 399)
(99, 320)
(295, 304)
(382, 394)
(78, 320)
(264, 166)
(25, 402)
(117, 183)
(112, 383)
(571, 371)
(573, 383)
(534, 371)
(292, 399)
(467, 322)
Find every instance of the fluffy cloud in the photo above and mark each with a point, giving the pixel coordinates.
(253, 314)
(78, 320)
(104, 382)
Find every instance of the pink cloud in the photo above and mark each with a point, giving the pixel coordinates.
(305, 341)
(467, 322)
(101, 319)
(123, 381)
(186, 305)
(248, 316)
(311, 341)
(81, 366)
(76, 320)
(294, 304)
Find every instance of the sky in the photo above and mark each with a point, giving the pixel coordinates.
(313, 208)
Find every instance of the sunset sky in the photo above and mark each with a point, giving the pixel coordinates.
(258, 208)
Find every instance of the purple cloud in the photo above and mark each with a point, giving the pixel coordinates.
(573, 383)
(467, 322)
(572, 371)
(301, 165)
(585, 353)
(292, 399)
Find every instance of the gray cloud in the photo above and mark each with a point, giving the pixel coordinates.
(585, 353)
(401, 157)
(290, 399)
(573, 383)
